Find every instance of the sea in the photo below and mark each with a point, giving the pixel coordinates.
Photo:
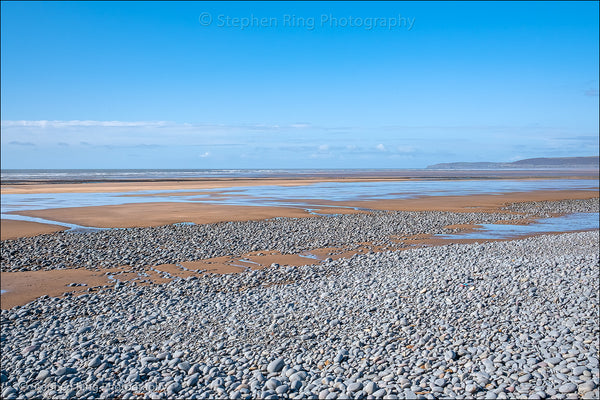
(8, 176)
(86, 175)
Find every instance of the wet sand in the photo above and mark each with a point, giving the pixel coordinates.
(24, 287)
(155, 214)
(471, 203)
(215, 183)
(12, 229)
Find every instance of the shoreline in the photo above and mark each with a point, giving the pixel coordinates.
(116, 185)
(331, 174)
(32, 280)
(29, 285)
(164, 213)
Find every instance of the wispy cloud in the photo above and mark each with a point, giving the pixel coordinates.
(147, 124)
(291, 144)
(80, 123)
(17, 143)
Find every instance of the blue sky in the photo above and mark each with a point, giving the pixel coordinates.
(296, 85)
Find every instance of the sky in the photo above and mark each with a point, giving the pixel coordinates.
(296, 85)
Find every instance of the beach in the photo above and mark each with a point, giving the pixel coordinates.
(215, 199)
(241, 289)
(22, 287)
(299, 200)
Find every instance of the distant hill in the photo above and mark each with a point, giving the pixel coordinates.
(529, 163)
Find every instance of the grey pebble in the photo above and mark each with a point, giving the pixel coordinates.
(276, 365)
(568, 388)
(439, 321)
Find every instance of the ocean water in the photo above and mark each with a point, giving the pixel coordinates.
(88, 175)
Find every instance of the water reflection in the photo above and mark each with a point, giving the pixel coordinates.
(274, 195)
(301, 196)
(565, 223)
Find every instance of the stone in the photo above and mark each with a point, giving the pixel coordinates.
(567, 388)
(275, 365)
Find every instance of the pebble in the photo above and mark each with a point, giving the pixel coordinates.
(370, 387)
(587, 386)
(568, 388)
(275, 365)
(140, 247)
(84, 329)
(229, 336)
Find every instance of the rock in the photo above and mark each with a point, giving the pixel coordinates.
(470, 388)
(354, 387)
(192, 380)
(216, 336)
(84, 329)
(585, 387)
(568, 388)
(282, 389)
(554, 360)
(370, 387)
(579, 370)
(524, 378)
(272, 384)
(178, 354)
(173, 388)
(8, 391)
(30, 349)
(184, 366)
(94, 362)
(450, 355)
(275, 365)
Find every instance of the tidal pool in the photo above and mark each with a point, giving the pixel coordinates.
(565, 223)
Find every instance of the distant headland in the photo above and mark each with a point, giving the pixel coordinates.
(528, 163)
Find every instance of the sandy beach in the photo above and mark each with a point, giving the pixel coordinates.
(22, 286)
(12, 229)
(155, 214)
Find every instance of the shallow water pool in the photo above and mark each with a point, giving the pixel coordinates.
(565, 223)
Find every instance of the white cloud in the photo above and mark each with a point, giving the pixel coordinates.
(300, 126)
(204, 155)
(324, 147)
(86, 123)
(18, 143)
(380, 147)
